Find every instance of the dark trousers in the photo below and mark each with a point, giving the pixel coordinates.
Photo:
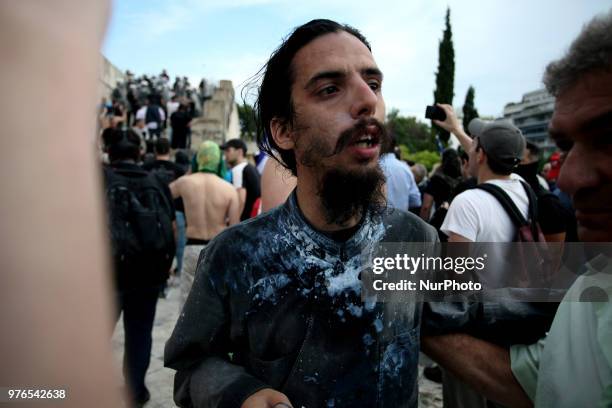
(138, 307)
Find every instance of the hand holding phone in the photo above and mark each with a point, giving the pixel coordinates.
(435, 112)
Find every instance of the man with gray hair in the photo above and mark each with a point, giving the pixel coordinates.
(572, 365)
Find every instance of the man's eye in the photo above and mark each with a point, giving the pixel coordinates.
(328, 90)
(374, 85)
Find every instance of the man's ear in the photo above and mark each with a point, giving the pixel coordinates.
(480, 156)
(281, 133)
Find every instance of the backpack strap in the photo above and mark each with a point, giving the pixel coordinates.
(533, 209)
(506, 202)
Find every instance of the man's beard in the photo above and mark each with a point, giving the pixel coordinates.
(348, 193)
(345, 193)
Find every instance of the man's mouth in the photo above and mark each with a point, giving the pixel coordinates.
(366, 141)
(362, 139)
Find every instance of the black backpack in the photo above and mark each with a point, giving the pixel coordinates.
(140, 222)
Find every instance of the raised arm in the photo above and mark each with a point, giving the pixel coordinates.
(57, 317)
(451, 124)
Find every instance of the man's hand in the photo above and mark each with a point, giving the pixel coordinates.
(267, 398)
(451, 124)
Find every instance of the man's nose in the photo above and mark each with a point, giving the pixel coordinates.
(577, 171)
(364, 100)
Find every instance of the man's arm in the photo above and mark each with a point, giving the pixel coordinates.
(57, 320)
(453, 237)
(414, 195)
(175, 188)
(482, 365)
(241, 198)
(426, 206)
(560, 237)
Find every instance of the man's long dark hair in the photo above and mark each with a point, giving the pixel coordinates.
(274, 98)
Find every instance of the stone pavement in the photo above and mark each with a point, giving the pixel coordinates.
(160, 380)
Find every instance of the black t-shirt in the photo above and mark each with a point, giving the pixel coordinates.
(552, 216)
(251, 183)
(179, 121)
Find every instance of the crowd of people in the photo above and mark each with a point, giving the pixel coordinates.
(152, 108)
(257, 322)
(268, 252)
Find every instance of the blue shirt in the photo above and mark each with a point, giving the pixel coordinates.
(402, 190)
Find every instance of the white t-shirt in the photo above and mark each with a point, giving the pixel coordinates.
(237, 174)
(142, 113)
(479, 217)
(172, 107)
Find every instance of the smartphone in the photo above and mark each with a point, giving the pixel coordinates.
(435, 112)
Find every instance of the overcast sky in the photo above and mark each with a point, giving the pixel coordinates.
(501, 47)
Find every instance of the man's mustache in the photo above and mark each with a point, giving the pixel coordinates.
(360, 129)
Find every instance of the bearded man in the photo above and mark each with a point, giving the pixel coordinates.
(274, 317)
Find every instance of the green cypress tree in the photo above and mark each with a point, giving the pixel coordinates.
(445, 77)
(469, 110)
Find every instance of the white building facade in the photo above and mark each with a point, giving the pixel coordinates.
(532, 116)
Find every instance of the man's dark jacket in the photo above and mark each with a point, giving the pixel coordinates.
(276, 304)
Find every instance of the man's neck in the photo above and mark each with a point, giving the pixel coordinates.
(485, 174)
(311, 206)
(165, 157)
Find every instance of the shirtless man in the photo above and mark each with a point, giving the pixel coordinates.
(211, 204)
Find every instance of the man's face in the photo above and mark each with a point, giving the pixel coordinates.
(337, 86)
(232, 155)
(582, 126)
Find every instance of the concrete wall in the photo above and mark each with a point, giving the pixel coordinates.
(219, 121)
(109, 76)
